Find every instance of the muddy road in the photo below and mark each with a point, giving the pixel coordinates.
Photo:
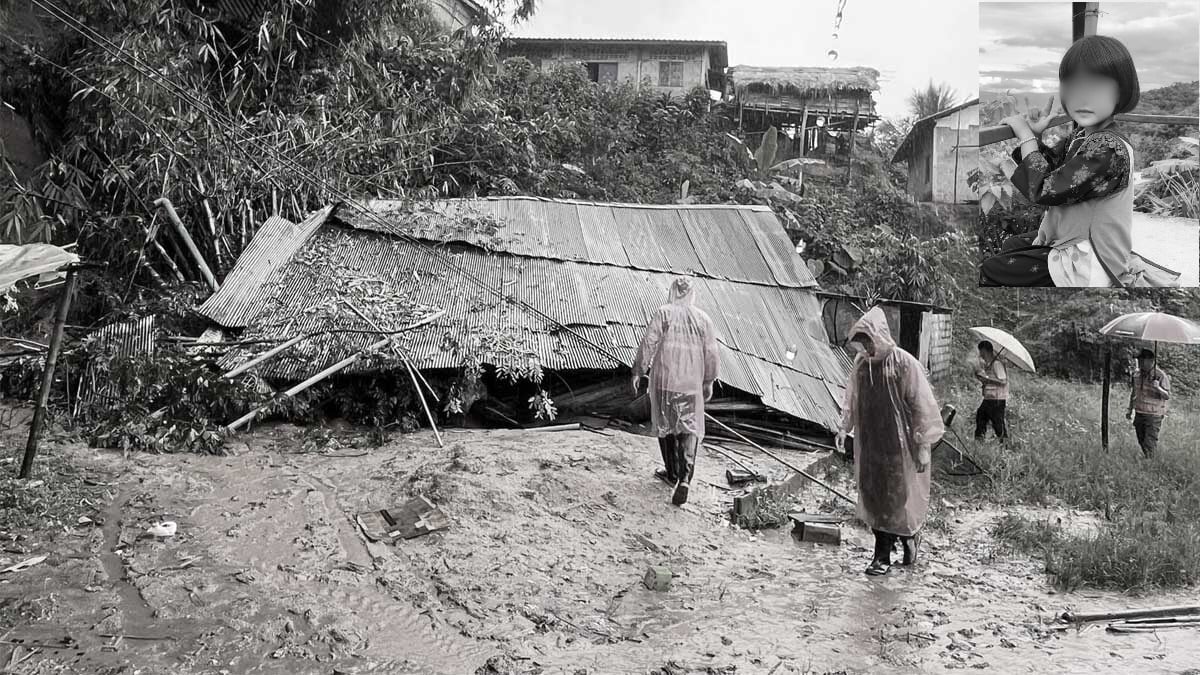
(540, 572)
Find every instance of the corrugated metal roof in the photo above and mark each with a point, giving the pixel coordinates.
(247, 285)
(395, 281)
(734, 242)
(122, 341)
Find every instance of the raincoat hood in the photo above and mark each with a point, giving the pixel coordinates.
(683, 291)
(874, 324)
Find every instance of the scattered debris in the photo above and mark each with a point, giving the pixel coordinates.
(165, 528)
(817, 528)
(24, 564)
(658, 578)
(412, 519)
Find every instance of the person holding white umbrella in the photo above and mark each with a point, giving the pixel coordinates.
(1151, 386)
(994, 346)
(1148, 401)
(992, 374)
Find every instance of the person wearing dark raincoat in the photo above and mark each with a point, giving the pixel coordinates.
(679, 351)
(891, 409)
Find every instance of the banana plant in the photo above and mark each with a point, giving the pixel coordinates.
(771, 178)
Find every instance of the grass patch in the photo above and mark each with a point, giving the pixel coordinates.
(1150, 535)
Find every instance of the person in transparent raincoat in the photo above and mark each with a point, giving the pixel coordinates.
(891, 409)
(679, 351)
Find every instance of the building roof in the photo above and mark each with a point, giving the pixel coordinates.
(922, 126)
(719, 57)
(600, 283)
(804, 80)
(925, 306)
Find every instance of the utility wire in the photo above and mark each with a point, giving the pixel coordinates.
(313, 180)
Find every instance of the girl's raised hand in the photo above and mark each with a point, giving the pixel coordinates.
(1040, 119)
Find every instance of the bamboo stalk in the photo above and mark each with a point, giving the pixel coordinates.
(56, 336)
(324, 374)
(212, 222)
(574, 426)
(262, 357)
(187, 240)
(775, 457)
(407, 366)
(1176, 610)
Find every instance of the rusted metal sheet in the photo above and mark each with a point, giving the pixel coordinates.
(247, 285)
(602, 236)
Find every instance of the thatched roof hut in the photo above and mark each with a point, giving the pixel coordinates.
(801, 97)
(804, 81)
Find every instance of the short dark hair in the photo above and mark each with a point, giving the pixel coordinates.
(1102, 55)
(1146, 354)
(986, 346)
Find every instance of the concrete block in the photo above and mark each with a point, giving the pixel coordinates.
(658, 578)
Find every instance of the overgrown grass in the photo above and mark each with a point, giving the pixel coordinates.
(1150, 535)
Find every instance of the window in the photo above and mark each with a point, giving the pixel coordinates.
(670, 73)
(601, 71)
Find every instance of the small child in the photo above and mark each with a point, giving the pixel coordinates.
(1086, 181)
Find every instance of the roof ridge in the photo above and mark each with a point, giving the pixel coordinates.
(759, 208)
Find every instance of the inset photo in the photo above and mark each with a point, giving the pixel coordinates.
(1088, 144)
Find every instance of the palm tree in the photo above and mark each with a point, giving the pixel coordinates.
(932, 99)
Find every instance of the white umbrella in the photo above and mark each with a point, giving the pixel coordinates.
(1007, 347)
(1154, 327)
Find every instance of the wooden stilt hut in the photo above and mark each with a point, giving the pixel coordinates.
(811, 106)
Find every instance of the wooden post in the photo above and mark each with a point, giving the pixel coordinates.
(56, 336)
(804, 131)
(1083, 19)
(853, 129)
(1104, 398)
(187, 241)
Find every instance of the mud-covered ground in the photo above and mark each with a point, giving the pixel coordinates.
(540, 572)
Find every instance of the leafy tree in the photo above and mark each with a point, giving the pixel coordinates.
(934, 98)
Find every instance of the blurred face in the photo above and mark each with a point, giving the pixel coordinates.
(1145, 364)
(1089, 99)
(863, 344)
(985, 354)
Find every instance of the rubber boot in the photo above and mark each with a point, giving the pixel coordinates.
(912, 548)
(684, 466)
(881, 562)
(666, 445)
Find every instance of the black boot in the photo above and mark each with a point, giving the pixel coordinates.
(684, 456)
(666, 445)
(881, 562)
(912, 546)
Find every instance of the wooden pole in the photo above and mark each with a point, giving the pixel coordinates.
(804, 131)
(187, 241)
(331, 370)
(1084, 17)
(775, 457)
(56, 336)
(990, 135)
(1104, 398)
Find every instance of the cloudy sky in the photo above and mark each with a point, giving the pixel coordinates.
(908, 47)
(1021, 43)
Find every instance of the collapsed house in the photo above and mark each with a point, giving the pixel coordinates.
(567, 285)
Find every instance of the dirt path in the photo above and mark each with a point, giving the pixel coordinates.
(540, 572)
(1170, 242)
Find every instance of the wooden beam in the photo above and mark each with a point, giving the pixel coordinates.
(997, 134)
